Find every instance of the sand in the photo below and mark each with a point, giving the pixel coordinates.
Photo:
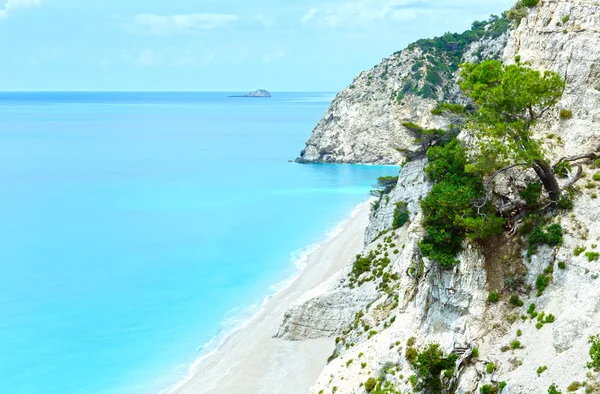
(251, 361)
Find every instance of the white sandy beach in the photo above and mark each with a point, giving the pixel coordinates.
(251, 361)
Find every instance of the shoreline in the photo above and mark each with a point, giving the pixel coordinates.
(262, 371)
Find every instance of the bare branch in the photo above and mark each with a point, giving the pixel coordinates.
(575, 178)
(588, 156)
(489, 181)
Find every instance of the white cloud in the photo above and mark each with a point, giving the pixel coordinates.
(360, 13)
(170, 24)
(12, 5)
(365, 13)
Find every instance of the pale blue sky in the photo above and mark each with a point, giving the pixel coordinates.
(214, 45)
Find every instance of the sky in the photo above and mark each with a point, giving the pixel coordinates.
(214, 45)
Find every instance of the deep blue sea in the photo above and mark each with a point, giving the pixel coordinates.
(136, 227)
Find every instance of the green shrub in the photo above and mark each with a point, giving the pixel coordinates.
(488, 389)
(429, 365)
(530, 3)
(562, 265)
(574, 386)
(592, 256)
(541, 370)
(515, 300)
(594, 341)
(564, 20)
(553, 389)
(596, 176)
(579, 250)
(531, 194)
(370, 384)
(449, 215)
(516, 345)
(475, 353)
(519, 333)
(490, 368)
(566, 114)
(401, 215)
(541, 283)
(493, 297)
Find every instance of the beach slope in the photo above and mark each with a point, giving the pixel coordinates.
(251, 360)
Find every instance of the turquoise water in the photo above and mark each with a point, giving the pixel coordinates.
(137, 227)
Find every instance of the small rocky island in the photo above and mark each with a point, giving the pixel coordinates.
(260, 93)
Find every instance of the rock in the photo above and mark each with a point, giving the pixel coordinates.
(412, 186)
(260, 93)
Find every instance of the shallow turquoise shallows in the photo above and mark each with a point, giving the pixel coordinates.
(136, 227)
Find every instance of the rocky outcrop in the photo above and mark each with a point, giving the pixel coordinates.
(412, 186)
(450, 307)
(260, 93)
(364, 123)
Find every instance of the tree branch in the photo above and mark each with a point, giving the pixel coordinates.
(575, 178)
(589, 156)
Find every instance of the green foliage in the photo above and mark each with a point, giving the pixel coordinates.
(596, 177)
(563, 168)
(412, 126)
(594, 341)
(387, 183)
(449, 215)
(541, 283)
(517, 13)
(401, 215)
(592, 256)
(429, 365)
(488, 389)
(441, 57)
(562, 265)
(475, 353)
(578, 250)
(510, 99)
(552, 236)
(564, 20)
(541, 370)
(566, 114)
(449, 107)
(490, 368)
(370, 384)
(493, 297)
(532, 194)
(515, 300)
(516, 345)
(574, 386)
(553, 389)
(530, 3)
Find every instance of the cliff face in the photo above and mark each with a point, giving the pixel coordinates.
(364, 122)
(375, 318)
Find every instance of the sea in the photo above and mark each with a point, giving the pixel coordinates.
(137, 230)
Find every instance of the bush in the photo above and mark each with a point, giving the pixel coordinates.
(532, 194)
(429, 365)
(488, 389)
(493, 297)
(553, 389)
(516, 345)
(541, 370)
(515, 300)
(401, 215)
(579, 250)
(574, 386)
(490, 368)
(562, 265)
(596, 176)
(566, 114)
(592, 256)
(475, 353)
(370, 384)
(448, 210)
(594, 341)
(530, 3)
